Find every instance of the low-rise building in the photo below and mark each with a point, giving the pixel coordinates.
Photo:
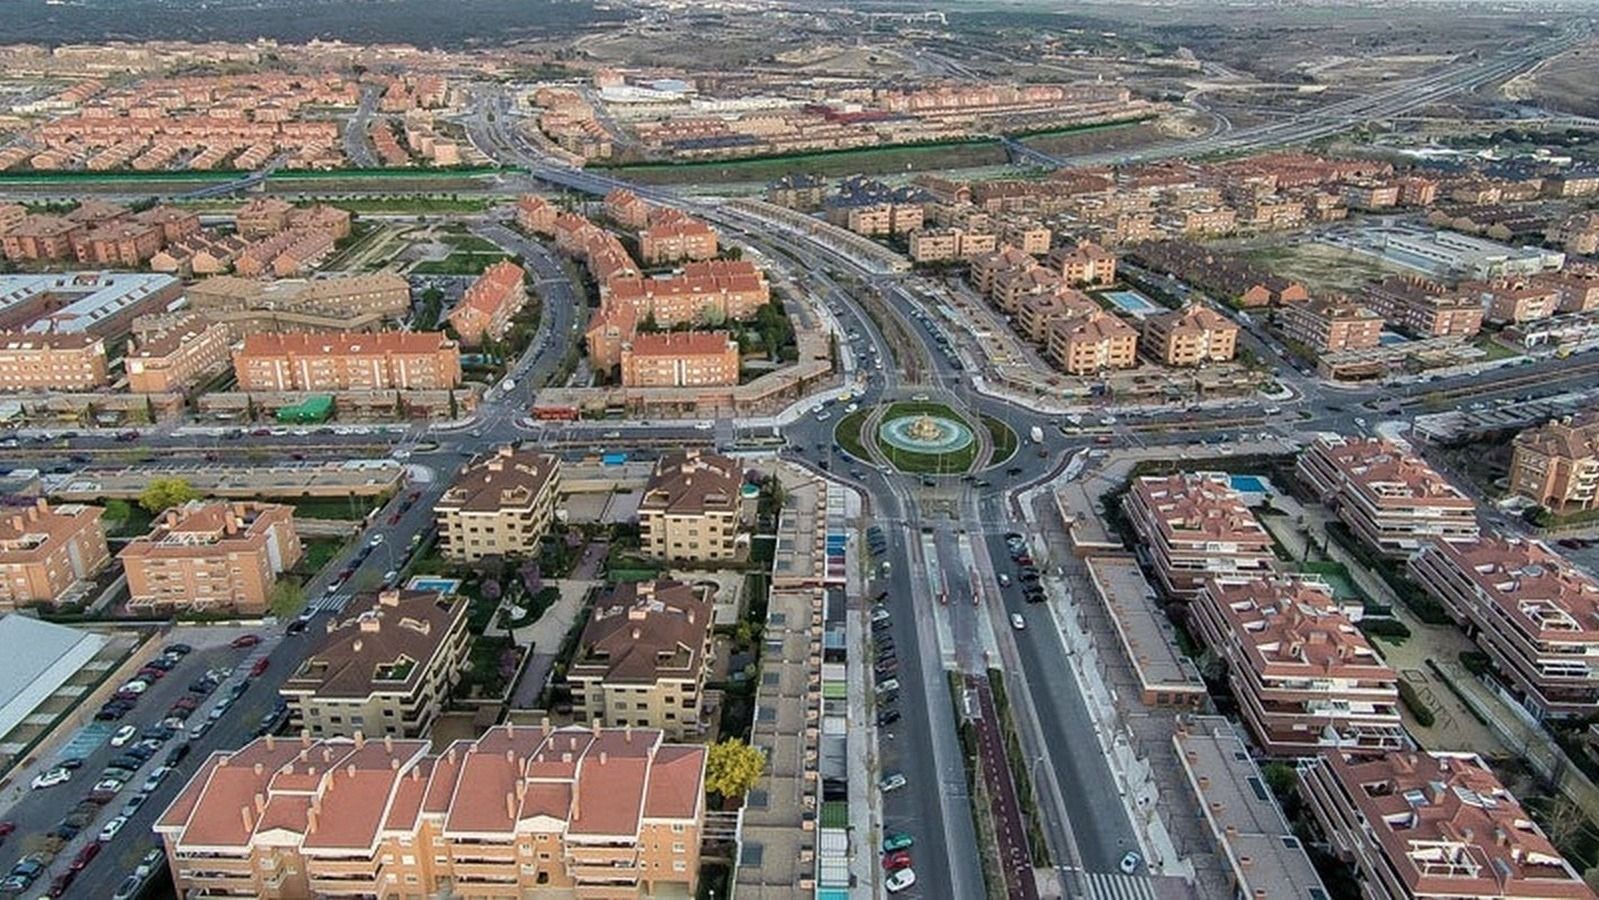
(680, 359)
(1534, 614)
(487, 307)
(262, 216)
(643, 657)
(627, 209)
(384, 667)
(1426, 826)
(691, 507)
(1391, 499)
(126, 242)
(1304, 676)
(1085, 264)
(52, 362)
(212, 556)
(42, 238)
(1191, 336)
(1167, 677)
(390, 360)
(521, 811)
(536, 215)
(175, 355)
(499, 506)
(1194, 526)
(1091, 343)
(949, 244)
(677, 238)
(1424, 307)
(1331, 325)
(46, 551)
(1264, 857)
(1557, 464)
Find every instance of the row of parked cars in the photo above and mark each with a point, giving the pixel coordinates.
(898, 874)
(1027, 574)
(138, 748)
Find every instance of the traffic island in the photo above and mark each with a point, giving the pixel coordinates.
(919, 438)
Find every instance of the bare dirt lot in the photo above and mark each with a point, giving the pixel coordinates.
(1569, 82)
(1323, 268)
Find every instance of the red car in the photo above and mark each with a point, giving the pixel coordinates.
(7, 827)
(85, 856)
(899, 859)
(246, 640)
(260, 666)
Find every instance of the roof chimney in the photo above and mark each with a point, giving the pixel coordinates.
(360, 739)
(260, 803)
(271, 741)
(249, 820)
(258, 768)
(604, 757)
(388, 743)
(510, 806)
(311, 816)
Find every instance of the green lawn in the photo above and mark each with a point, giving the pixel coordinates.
(316, 553)
(459, 264)
(927, 463)
(899, 158)
(848, 435)
(1495, 350)
(349, 507)
(419, 205)
(1004, 439)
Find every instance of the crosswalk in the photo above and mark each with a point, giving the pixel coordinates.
(1107, 886)
(331, 602)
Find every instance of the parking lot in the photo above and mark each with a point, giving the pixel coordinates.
(122, 770)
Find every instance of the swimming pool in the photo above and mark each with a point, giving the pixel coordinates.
(1132, 302)
(442, 585)
(1390, 339)
(1248, 484)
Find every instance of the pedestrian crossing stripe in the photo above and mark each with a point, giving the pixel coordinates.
(1108, 886)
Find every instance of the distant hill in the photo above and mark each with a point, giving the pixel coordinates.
(428, 23)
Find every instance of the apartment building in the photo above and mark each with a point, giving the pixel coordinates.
(11, 215)
(486, 309)
(32, 362)
(714, 289)
(1371, 195)
(385, 666)
(1032, 238)
(1424, 307)
(211, 556)
(536, 215)
(386, 361)
(949, 244)
(521, 811)
(797, 191)
(677, 238)
(882, 219)
(42, 238)
(46, 551)
(1534, 614)
(1515, 302)
(262, 216)
(1085, 264)
(626, 209)
(1191, 336)
(1011, 287)
(124, 242)
(643, 657)
(1091, 343)
(175, 354)
(1557, 464)
(1390, 498)
(680, 359)
(1194, 526)
(1037, 312)
(1430, 826)
(985, 270)
(1304, 676)
(499, 506)
(337, 304)
(1331, 325)
(691, 509)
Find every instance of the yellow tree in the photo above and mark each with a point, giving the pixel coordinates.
(733, 767)
(163, 493)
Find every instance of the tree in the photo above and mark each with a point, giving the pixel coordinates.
(287, 598)
(164, 493)
(732, 767)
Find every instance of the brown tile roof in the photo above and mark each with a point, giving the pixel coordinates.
(201, 529)
(31, 532)
(1532, 585)
(642, 632)
(292, 343)
(510, 478)
(1288, 626)
(691, 482)
(681, 343)
(384, 645)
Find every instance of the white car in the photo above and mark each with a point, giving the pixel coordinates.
(134, 687)
(1004, 580)
(109, 832)
(879, 614)
(51, 778)
(899, 879)
(1017, 622)
(157, 775)
(1129, 862)
(890, 685)
(375, 541)
(123, 736)
(893, 781)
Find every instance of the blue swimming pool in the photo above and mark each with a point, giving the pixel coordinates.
(1390, 339)
(442, 585)
(1248, 484)
(1133, 302)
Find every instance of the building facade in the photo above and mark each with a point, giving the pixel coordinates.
(691, 508)
(213, 556)
(643, 657)
(177, 355)
(1331, 326)
(486, 309)
(1191, 336)
(45, 551)
(384, 667)
(680, 359)
(1557, 464)
(52, 362)
(1390, 499)
(386, 361)
(499, 506)
(1194, 526)
(521, 811)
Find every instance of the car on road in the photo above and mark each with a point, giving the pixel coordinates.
(157, 775)
(899, 840)
(109, 832)
(899, 859)
(879, 614)
(899, 880)
(887, 686)
(260, 666)
(131, 887)
(1129, 862)
(245, 640)
(177, 753)
(1017, 622)
(892, 781)
(133, 804)
(199, 730)
(1004, 580)
(51, 778)
(887, 717)
(152, 860)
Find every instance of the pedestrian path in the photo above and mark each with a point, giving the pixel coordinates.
(331, 602)
(1108, 885)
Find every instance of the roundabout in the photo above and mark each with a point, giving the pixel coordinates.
(916, 437)
(925, 433)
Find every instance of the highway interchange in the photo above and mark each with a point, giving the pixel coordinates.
(946, 525)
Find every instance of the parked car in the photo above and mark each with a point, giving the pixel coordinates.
(157, 775)
(109, 832)
(51, 778)
(245, 640)
(899, 880)
(887, 717)
(899, 859)
(892, 781)
(899, 840)
(1129, 862)
(177, 753)
(124, 735)
(260, 666)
